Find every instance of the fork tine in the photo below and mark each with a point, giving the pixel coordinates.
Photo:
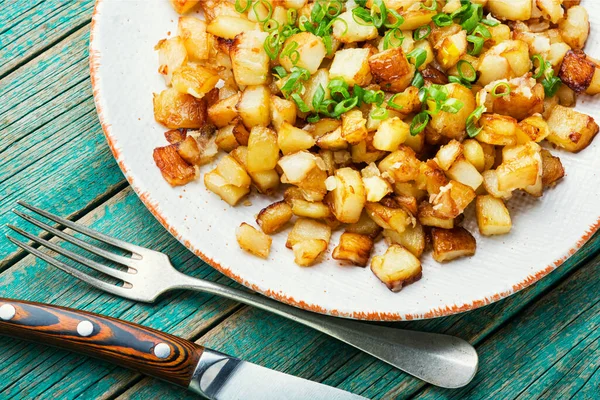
(97, 283)
(115, 273)
(78, 242)
(85, 230)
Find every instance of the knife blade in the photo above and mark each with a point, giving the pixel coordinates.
(161, 355)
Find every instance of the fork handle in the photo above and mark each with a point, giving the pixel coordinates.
(146, 350)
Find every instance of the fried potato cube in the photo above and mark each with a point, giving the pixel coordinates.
(175, 136)
(535, 127)
(347, 30)
(513, 10)
(474, 153)
(354, 248)
(594, 87)
(364, 152)
(195, 38)
(333, 140)
(273, 217)
(492, 67)
(352, 65)
(525, 99)
(297, 166)
(263, 152)
(171, 55)
(402, 165)
(224, 111)
(291, 139)
(449, 244)
(309, 51)
(265, 181)
(197, 149)
(253, 241)
(428, 217)
(493, 217)
(575, 28)
(308, 209)
(576, 71)
(452, 199)
(434, 177)
(398, 267)
(249, 59)
(177, 110)
(194, 79)
(551, 9)
(282, 110)
(407, 101)
(308, 251)
(229, 193)
(322, 127)
(173, 167)
(387, 217)
(307, 229)
(376, 188)
(464, 172)
(365, 226)
(451, 49)
(552, 168)
(349, 195)
(391, 70)
(448, 154)
(230, 26)
(490, 183)
(571, 129)
(453, 125)
(415, 17)
(518, 172)
(354, 127)
(498, 130)
(390, 134)
(254, 106)
(233, 172)
(413, 238)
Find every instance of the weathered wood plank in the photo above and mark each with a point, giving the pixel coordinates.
(11, 11)
(40, 27)
(65, 375)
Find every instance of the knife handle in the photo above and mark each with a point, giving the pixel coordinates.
(133, 346)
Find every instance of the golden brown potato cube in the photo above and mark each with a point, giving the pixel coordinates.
(175, 136)
(551, 9)
(173, 167)
(387, 217)
(229, 193)
(306, 229)
(309, 52)
(376, 188)
(297, 166)
(352, 65)
(594, 87)
(518, 173)
(263, 152)
(230, 26)
(448, 154)
(189, 151)
(415, 17)
(226, 139)
(291, 139)
(493, 217)
(434, 176)
(273, 217)
(306, 252)
(195, 39)
(413, 238)
(391, 133)
(254, 106)
(194, 79)
(313, 187)
(535, 127)
(490, 183)
(365, 226)
(249, 59)
(552, 168)
(308, 209)
(451, 49)
(428, 217)
(453, 125)
(265, 181)
(233, 172)
(407, 101)
(333, 140)
(513, 10)
(364, 153)
(571, 129)
(178, 110)
(346, 29)
(575, 28)
(349, 195)
(253, 241)
(391, 70)
(323, 126)
(241, 134)
(576, 71)
(398, 267)
(171, 55)
(497, 130)
(525, 99)
(452, 199)
(464, 172)
(401, 166)
(224, 111)
(474, 153)
(449, 244)
(183, 6)
(354, 127)
(354, 248)
(282, 110)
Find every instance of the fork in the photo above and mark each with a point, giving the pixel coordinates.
(442, 360)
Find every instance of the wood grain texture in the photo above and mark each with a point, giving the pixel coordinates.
(116, 341)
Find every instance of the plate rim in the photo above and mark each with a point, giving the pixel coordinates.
(149, 203)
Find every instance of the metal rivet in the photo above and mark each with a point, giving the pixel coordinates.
(85, 328)
(162, 350)
(7, 312)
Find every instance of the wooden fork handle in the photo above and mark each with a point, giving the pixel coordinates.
(146, 350)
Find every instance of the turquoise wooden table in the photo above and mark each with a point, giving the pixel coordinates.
(540, 343)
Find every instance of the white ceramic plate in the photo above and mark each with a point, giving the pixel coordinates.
(546, 231)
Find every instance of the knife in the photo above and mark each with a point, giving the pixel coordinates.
(207, 372)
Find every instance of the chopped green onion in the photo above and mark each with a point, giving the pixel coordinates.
(460, 11)
(477, 44)
(372, 96)
(265, 4)
(422, 32)
(300, 103)
(313, 118)
(442, 20)
(397, 17)
(344, 106)
(318, 97)
(339, 87)
(270, 25)
(292, 16)
(294, 81)
(490, 22)
(417, 80)
(472, 17)
(472, 129)
(541, 67)
(551, 85)
(279, 72)
(290, 52)
(432, 7)
(452, 106)
(456, 79)
(392, 102)
(379, 113)
(242, 8)
(362, 16)
(482, 31)
(359, 93)
(334, 8)
(318, 12)
(439, 93)
(326, 106)
(466, 71)
(418, 57)
(504, 92)
(272, 45)
(393, 38)
(418, 124)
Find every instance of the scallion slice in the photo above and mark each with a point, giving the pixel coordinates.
(472, 129)
(466, 71)
(442, 20)
(422, 33)
(504, 88)
(477, 44)
(417, 57)
(419, 123)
